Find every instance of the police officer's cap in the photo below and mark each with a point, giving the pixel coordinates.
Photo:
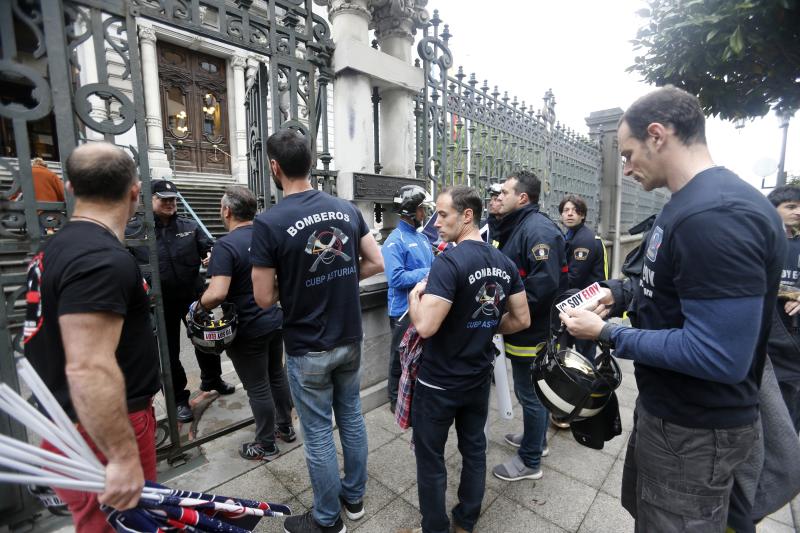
(164, 189)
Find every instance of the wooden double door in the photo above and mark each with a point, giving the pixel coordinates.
(194, 108)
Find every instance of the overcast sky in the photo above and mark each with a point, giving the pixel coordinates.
(581, 49)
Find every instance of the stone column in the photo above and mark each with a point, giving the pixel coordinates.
(159, 164)
(352, 104)
(239, 63)
(395, 23)
(603, 129)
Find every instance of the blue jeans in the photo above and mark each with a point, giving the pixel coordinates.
(433, 412)
(321, 382)
(534, 414)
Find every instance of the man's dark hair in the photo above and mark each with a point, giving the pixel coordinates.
(785, 193)
(290, 149)
(100, 171)
(669, 106)
(241, 201)
(464, 198)
(527, 183)
(577, 201)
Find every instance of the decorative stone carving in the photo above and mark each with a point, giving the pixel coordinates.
(338, 7)
(146, 33)
(238, 62)
(397, 18)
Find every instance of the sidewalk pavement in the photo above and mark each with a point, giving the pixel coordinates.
(578, 493)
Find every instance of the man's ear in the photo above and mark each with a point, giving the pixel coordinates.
(135, 190)
(275, 167)
(658, 132)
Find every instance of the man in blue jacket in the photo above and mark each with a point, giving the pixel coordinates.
(537, 247)
(704, 306)
(407, 258)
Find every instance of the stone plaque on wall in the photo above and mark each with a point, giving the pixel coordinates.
(380, 188)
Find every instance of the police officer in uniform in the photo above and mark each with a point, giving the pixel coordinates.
(182, 248)
(586, 255)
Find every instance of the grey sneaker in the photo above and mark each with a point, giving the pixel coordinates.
(515, 470)
(515, 439)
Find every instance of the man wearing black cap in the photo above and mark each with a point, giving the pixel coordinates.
(182, 247)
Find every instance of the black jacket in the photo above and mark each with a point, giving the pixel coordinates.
(181, 246)
(586, 257)
(537, 247)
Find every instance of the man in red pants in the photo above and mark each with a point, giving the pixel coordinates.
(89, 335)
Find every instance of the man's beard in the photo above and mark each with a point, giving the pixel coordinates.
(277, 183)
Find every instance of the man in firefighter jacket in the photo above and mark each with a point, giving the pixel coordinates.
(537, 247)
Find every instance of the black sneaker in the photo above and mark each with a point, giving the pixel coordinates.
(183, 412)
(392, 406)
(305, 523)
(221, 387)
(286, 434)
(354, 511)
(255, 451)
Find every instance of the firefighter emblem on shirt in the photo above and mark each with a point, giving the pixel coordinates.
(581, 254)
(655, 243)
(489, 297)
(327, 245)
(541, 252)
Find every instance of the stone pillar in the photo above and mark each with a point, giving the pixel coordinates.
(395, 24)
(352, 104)
(603, 129)
(239, 63)
(159, 164)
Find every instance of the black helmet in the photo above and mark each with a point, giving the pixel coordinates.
(49, 499)
(209, 334)
(570, 385)
(409, 198)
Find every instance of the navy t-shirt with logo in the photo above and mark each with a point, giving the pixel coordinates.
(717, 237)
(312, 240)
(477, 279)
(231, 257)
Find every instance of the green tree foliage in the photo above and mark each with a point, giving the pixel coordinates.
(793, 180)
(740, 57)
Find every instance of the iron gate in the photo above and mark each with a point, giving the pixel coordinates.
(77, 64)
(469, 133)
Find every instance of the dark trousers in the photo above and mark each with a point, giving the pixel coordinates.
(398, 328)
(259, 364)
(433, 412)
(680, 479)
(175, 310)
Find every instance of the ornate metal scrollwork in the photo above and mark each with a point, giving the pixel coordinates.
(40, 93)
(83, 108)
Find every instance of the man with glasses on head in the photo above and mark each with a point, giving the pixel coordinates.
(182, 248)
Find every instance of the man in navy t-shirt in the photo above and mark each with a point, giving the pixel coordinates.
(257, 350)
(784, 338)
(457, 312)
(311, 242)
(710, 278)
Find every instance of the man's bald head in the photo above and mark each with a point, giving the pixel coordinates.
(101, 171)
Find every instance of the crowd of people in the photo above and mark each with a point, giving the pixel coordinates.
(703, 319)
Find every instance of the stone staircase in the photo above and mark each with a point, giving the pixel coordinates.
(204, 200)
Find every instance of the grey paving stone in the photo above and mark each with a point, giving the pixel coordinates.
(383, 418)
(376, 498)
(617, 445)
(377, 436)
(579, 462)
(507, 516)
(606, 514)
(556, 497)
(783, 515)
(613, 482)
(291, 469)
(626, 417)
(397, 514)
(772, 526)
(394, 466)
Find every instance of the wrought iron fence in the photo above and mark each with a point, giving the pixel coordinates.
(470, 133)
(75, 64)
